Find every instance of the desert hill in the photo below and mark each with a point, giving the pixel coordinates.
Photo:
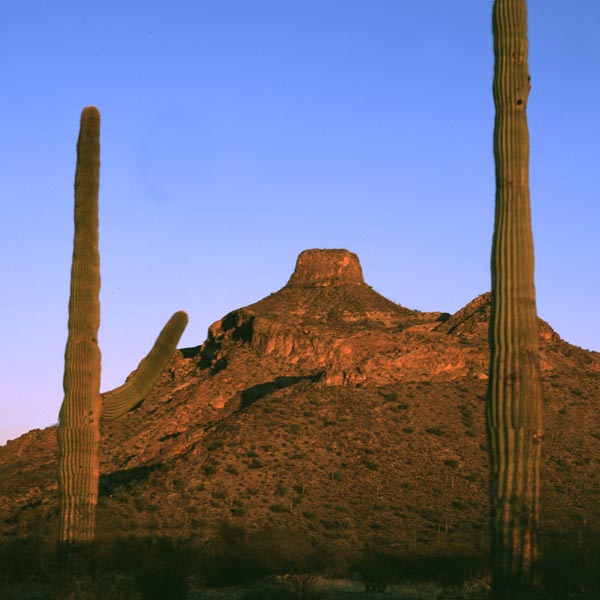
(329, 409)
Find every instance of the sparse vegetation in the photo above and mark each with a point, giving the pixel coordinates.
(143, 568)
(435, 431)
(391, 469)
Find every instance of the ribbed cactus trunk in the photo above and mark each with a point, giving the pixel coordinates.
(513, 412)
(79, 430)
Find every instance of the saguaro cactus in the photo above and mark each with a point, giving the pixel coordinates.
(513, 411)
(83, 405)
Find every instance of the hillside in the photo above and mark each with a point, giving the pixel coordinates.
(329, 409)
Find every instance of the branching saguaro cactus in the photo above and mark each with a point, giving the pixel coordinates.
(83, 405)
(513, 411)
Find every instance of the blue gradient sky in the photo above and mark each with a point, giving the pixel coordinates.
(236, 133)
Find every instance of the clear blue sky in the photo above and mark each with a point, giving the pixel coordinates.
(236, 133)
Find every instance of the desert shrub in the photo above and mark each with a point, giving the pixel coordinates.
(371, 464)
(435, 431)
(211, 467)
(570, 567)
(95, 587)
(336, 558)
(447, 567)
(236, 556)
(19, 561)
(159, 566)
(227, 560)
(118, 569)
(376, 569)
(280, 490)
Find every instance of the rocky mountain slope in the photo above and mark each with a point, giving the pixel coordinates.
(329, 409)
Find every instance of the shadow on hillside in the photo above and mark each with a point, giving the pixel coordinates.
(190, 352)
(257, 392)
(110, 482)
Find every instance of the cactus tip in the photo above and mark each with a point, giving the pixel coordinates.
(90, 112)
(181, 316)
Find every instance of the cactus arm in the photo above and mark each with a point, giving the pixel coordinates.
(78, 431)
(513, 409)
(122, 399)
(82, 407)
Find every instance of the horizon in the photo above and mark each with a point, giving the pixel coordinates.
(235, 135)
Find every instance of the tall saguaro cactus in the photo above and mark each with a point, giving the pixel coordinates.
(83, 405)
(513, 411)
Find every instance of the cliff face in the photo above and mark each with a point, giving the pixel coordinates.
(372, 410)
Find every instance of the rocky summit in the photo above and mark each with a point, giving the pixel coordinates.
(327, 267)
(329, 409)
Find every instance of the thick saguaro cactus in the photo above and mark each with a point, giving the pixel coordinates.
(83, 405)
(513, 411)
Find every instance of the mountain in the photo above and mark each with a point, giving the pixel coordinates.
(329, 409)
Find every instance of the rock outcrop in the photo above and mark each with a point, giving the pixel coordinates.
(327, 267)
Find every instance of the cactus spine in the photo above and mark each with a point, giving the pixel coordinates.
(83, 405)
(513, 411)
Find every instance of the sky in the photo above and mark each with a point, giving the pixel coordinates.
(237, 133)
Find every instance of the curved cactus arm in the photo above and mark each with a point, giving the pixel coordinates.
(122, 399)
